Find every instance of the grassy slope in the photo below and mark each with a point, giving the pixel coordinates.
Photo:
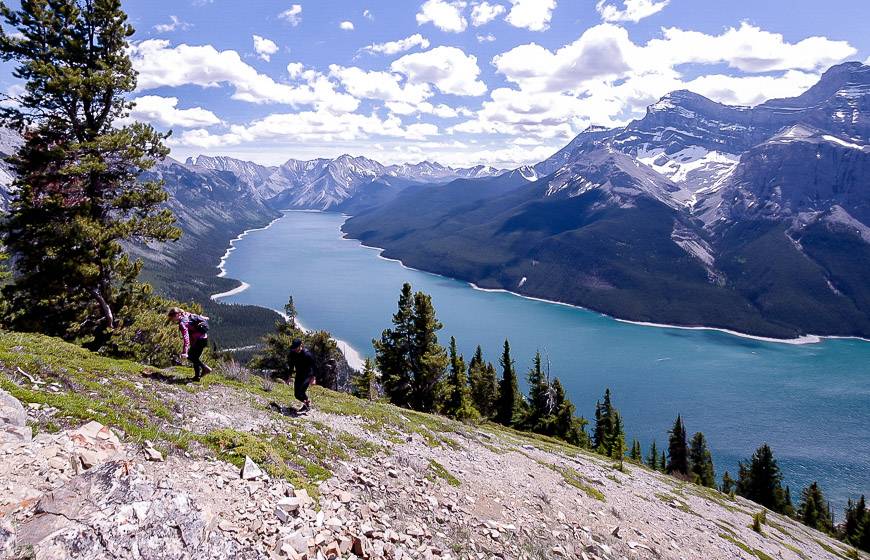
(82, 386)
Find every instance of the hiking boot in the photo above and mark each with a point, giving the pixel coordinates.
(306, 406)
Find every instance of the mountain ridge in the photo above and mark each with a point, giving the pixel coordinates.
(756, 200)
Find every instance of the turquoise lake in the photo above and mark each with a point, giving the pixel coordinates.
(810, 402)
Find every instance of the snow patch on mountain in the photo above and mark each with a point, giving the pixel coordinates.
(692, 169)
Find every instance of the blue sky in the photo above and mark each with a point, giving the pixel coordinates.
(503, 82)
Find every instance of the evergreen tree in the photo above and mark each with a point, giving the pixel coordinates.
(79, 196)
(428, 358)
(761, 480)
(393, 351)
(484, 385)
(678, 451)
(459, 403)
(701, 462)
(855, 519)
(787, 507)
(636, 454)
(663, 462)
(540, 402)
(566, 424)
(727, 483)
(290, 312)
(365, 385)
(814, 511)
(652, 460)
(605, 434)
(615, 442)
(509, 399)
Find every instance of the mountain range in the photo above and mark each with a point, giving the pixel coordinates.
(755, 219)
(746, 218)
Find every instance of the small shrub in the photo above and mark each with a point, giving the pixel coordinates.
(268, 385)
(758, 520)
(231, 369)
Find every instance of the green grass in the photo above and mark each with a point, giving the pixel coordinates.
(760, 554)
(437, 470)
(84, 386)
(830, 549)
(575, 479)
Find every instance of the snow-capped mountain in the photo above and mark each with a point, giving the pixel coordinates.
(750, 218)
(251, 173)
(323, 184)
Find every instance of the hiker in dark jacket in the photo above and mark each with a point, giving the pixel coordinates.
(300, 362)
(194, 332)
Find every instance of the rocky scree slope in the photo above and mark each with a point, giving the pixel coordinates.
(754, 219)
(130, 462)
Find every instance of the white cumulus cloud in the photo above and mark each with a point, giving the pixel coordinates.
(402, 45)
(747, 48)
(346, 25)
(632, 10)
(159, 65)
(446, 15)
(604, 78)
(292, 15)
(308, 126)
(488, 38)
(483, 13)
(164, 111)
(265, 48)
(449, 69)
(534, 15)
(383, 86)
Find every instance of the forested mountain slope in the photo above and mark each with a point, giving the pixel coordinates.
(752, 219)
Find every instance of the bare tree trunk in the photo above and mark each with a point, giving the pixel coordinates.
(104, 307)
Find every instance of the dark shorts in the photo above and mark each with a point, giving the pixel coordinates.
(300, 386)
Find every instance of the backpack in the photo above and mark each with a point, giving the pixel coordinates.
(199, 322)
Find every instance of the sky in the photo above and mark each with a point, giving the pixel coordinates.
(462, 82)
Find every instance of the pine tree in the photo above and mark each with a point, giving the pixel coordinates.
(761, 480)
(854, 521)
(540, 401)
(615, 442)
(290, 312)
(484, 385)
(79, 196)
(365, 385)
(459, 403)
(814, 511)
(428, 358)
(864, 542)
(566, 424)
(652, 460)
(727, 483)
(636, 454)
(787, 507)
(678, 452)
(604, 437)
(509, 399)
(393, 352)
(701, 462)
(663, 462)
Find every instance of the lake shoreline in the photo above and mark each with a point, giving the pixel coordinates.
(352, 355)
(801, 340)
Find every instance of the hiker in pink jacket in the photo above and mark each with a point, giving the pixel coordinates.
(194, 331)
